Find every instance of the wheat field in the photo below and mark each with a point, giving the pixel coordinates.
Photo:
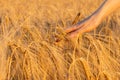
(29, 51)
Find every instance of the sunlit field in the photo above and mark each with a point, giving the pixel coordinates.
(34, 45)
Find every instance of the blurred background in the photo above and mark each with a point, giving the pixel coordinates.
(29, 51)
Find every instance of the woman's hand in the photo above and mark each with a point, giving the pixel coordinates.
(90, 23)
(86, 25)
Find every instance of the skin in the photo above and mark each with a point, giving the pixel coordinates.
(91, 22)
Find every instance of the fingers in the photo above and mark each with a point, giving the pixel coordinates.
(72, 34)
(70, 29)
(79, 31)
(73, 28)
(75, 33)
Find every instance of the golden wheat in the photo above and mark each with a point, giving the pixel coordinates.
(29, 30)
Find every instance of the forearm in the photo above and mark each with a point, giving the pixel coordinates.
(92, 21)
(107, 8)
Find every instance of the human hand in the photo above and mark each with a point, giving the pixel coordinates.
(81, 27)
